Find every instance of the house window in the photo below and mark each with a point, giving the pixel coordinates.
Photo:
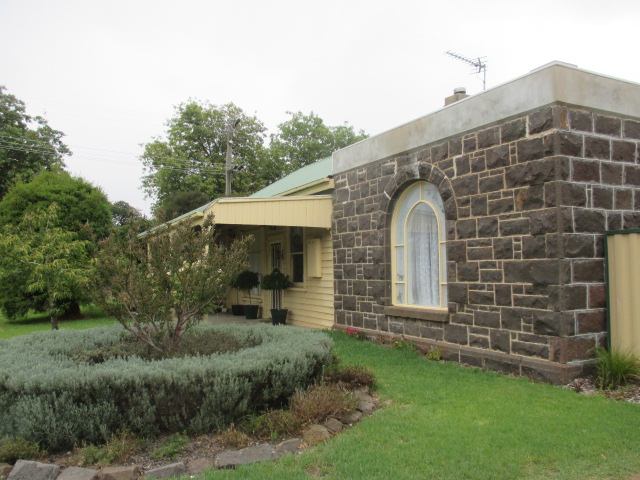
(296, 248)
(418, 245)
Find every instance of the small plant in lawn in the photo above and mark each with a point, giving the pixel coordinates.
(434, 354)
(14, 449)
(615, 368)
(118, 448)
(402, 343)
(172, 448)
(357, 334)
(233, 438)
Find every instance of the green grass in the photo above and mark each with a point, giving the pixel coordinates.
(38, 322)
(451, 422)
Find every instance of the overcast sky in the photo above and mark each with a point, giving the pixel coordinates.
(108, 73)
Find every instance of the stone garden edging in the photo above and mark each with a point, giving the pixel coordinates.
(313, 435)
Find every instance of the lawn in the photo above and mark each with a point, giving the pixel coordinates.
(38, 322)
(451, 422)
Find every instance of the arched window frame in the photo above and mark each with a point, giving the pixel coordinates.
(406, 204)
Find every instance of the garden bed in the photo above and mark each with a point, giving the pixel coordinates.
(50, 395)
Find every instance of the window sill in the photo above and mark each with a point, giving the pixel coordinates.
(419, 313)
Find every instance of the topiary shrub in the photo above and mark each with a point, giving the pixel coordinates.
(48, 397)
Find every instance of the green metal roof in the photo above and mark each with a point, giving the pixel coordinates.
(315, 171)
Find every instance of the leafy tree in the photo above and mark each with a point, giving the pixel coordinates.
(304, 139)
(123, 213)
(52, 261)
(83, 210)
(27, 144)
(178, 203)
(192, 157)
(79, 202)
(160, 284)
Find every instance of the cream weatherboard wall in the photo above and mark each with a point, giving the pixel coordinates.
(310, 303)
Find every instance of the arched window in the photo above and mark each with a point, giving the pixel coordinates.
(418, 243)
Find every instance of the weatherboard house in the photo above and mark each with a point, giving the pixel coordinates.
(478, 229)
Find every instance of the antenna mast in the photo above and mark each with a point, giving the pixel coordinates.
(478, 63)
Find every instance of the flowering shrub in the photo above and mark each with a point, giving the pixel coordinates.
(160, 283)
(401, 343)
(355, 333)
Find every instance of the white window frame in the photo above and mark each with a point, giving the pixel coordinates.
(397, 222)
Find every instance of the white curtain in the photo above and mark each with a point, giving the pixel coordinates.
(422, 260)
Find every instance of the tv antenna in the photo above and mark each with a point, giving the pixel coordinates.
(480, 64)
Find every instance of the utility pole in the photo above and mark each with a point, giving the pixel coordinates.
(229, 162)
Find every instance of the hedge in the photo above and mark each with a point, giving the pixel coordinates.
(48, 398)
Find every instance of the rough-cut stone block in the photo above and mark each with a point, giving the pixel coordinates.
(199, 465)
(28, 470)
(597, 147)
(487, 227)
(487, 319)
(77, 473)
(468, 272)
(611, 173)
(591, 321)
(585, 171)
(500, 340)
(315, 435)
(513, 130)
(456, 334)
(623, 151)
(504, 205)
(518, 226)
(631, 129)
(540, 121)
(570, 144)
(167, 471)
(120, 473)
(581, 120)
(591, 221)
(530, 349)
(564, 350)
(588, 271)
(293, 445)
(245, 456)
(350, 418)
(534, 148)
(607, 125)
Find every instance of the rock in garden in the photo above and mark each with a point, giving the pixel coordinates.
(199, 465)
(315, 435)
(350, 418)
(288, 446)
(77, 473)
(366, 407)
(233, 458)
(167, 471)
(334, 425)
(120, 473)
(362, 396)
(27, 470)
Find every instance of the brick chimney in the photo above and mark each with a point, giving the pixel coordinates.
(458, 94)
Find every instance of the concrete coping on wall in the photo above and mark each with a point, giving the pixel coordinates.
(551, 83)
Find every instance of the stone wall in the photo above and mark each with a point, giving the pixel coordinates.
(527, 202)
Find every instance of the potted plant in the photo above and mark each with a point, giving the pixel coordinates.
(248, 280)
(237, 308)
(277, 281)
